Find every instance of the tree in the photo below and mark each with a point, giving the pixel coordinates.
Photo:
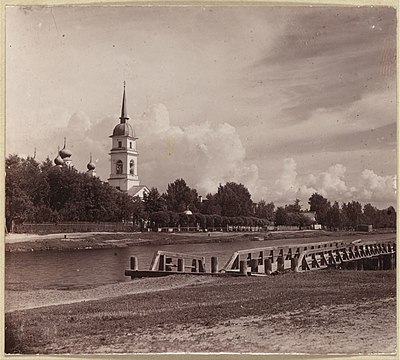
(160, 218)
(370, 215)
(352, 212)
(234, 200)
(281, 216)
(333, 219)
(210, 205)
(179, 196)
(294, 208)
(264, 210)
(153, 201)
(321, 206)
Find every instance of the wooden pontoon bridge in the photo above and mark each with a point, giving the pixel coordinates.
(358, 254)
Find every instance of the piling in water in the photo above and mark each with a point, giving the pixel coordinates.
(194, 265)
(243, 267)
(268, 266)
(293, 263)
(181, 265)
(134, 263)
(254, 265)
(281, 264)
(214, 264)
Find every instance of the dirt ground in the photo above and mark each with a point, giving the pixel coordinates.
(323, 312)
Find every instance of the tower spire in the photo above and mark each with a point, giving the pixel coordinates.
(124, 114)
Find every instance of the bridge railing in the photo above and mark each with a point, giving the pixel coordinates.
(170, 261)
(281, 258)
(315, 259)
(274, 258)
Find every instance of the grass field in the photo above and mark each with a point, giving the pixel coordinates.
(335, 311)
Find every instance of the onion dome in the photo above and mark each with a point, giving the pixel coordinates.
(123, 129)
(58, 160)
(91, 165)
(65, 153)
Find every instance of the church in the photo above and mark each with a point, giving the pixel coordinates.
(124, 157)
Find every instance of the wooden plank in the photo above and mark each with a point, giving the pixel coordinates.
(150, 273)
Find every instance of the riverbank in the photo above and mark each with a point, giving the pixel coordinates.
(77, 241)
(341, 312)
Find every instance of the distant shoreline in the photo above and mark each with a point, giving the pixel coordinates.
(82, 241)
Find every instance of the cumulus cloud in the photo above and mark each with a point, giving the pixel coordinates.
(377, 188)
(333, 185)
(204, 154)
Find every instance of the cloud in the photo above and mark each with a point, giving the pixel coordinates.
(377, 188)
(333, 185)
(204, 154)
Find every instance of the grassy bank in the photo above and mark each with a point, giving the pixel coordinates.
(115, 240)
(320, 312)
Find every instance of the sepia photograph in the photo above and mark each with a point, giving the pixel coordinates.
(185, 179)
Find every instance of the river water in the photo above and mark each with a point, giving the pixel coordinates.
(93, 267)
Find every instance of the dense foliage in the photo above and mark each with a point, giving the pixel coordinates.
(46, 193)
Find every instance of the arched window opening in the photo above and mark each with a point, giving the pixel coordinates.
(132, 167)
(119, 167)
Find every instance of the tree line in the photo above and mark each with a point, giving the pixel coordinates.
(40, 192)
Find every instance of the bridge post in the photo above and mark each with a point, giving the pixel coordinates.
(267, 266)
(294, 261)
(134, 263)
(281, 264)
(392, 261)
(380, 262)
(243, 267)
(181, 265)
(387, 262)
(214, 264)
(194, 265)
(161, 266)
(254, 265)
(360, 264)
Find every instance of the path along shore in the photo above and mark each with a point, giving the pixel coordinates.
(99, 240)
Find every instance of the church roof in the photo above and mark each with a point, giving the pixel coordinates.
(134, 190)
(91, 165)
(123, 128)
(64, 152)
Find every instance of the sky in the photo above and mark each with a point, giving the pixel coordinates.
(285, 100)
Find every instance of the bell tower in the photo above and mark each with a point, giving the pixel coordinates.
(124, 156)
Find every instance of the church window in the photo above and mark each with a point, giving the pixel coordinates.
(119, 167)
(130, 144)
(132, 167)
(120, 144)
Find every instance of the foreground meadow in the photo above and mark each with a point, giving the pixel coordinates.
(335, 311)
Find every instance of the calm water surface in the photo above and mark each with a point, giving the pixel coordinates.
(83, 268)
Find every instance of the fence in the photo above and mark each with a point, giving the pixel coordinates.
(49, 228)
(209, 229)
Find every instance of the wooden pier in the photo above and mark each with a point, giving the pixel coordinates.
(357, 255)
